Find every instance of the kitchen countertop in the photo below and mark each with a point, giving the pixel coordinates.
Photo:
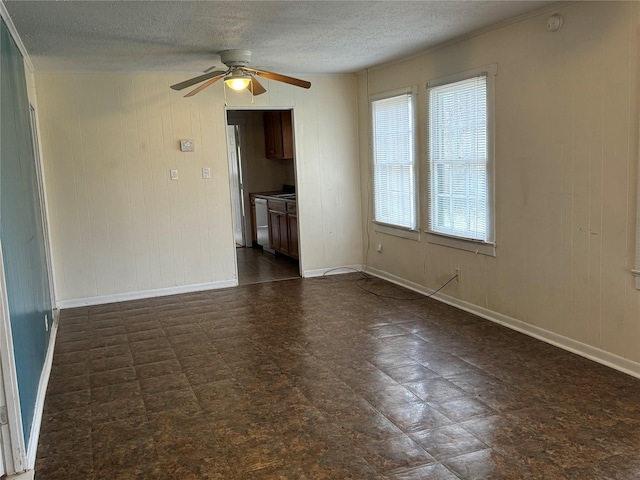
(276, 195)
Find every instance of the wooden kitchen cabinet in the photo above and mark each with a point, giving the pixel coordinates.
(283, 227)
(278, 237)
(278, 135)
(292, 230)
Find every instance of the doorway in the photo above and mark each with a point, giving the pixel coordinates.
(263, 191)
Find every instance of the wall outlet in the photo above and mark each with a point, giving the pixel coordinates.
(206, 172)
(379, 248)
(458, 275)
(174, 174)
(46, 322)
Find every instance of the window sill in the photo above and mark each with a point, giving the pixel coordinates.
(482, 248)
(397, 231)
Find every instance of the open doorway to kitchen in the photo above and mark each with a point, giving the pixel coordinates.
(262, 166)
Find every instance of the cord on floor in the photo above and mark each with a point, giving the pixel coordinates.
(366, 276)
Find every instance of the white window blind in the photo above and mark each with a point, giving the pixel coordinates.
(459, 196)
(394, 160)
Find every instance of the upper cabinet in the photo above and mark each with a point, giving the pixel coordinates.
(278, 135)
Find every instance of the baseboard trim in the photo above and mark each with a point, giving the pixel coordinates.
(160, 292)
(592, 353)
(321, 272)
(34, 434)
(28, 475)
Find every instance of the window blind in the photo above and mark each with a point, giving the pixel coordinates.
(458, 159)
(394, 161)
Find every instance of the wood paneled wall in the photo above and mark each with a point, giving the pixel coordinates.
(120, 225)
(566, 137)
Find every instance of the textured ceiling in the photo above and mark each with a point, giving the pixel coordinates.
(304, 37)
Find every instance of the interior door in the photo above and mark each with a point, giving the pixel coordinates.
(237, 193)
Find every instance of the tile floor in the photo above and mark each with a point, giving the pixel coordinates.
(316, 379)
(257, 266)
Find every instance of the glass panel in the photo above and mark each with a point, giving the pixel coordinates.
(458, 155)
(393, 159)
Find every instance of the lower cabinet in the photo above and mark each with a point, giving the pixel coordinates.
(283, 227)
(279, 240)
(292, 229)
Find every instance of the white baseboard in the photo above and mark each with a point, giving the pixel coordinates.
(160, 292)
(28, 475)
(34, 435)
(321, 272)
(592, 353)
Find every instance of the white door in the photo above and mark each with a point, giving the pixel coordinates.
(235, 172)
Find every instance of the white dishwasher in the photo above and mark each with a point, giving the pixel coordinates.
(262, 224)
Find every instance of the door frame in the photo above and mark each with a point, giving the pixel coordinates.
(42, 194)
(242, 125)
(245, 173)
(12, 437)
(236, 187)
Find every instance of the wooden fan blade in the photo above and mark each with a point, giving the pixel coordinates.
(194, 80)
(280, 78)
(203, 86)
(256, 86)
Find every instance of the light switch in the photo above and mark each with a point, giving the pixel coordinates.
(206, 172)
(174, 174)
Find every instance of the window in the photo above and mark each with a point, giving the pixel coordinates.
(460, 163)
(394, 159)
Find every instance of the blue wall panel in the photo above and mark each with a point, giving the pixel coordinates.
(21, 230)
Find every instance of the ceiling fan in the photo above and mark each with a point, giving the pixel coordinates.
(238, 76)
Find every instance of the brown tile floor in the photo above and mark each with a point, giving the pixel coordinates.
(257, 266)
(316, 379)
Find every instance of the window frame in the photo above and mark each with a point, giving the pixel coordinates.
(487, 247)
(383, 227)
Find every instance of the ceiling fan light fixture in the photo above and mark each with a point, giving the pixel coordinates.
(238, 77)
(238, 80)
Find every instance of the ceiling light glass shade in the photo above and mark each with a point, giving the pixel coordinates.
(237, 81)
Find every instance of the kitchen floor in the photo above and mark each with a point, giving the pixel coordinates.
(317, 379)
(257, 266)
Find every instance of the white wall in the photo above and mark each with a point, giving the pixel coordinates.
(120, 226)
(566, 139)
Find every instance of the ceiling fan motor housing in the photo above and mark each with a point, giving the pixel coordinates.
(236, 58)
